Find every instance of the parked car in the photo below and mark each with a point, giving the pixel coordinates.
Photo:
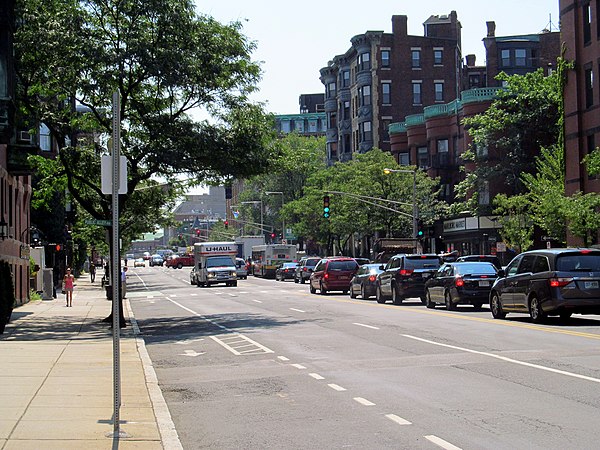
(481, 258)
(139, 262)
(549, 282)
(286, 271)
(156, 260)
(404, 276)
(333, 274)
(460, 283)
(305, 268)
(241, 268)
(362, 261)
(364, 281)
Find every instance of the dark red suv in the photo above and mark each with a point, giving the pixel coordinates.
(333, 274)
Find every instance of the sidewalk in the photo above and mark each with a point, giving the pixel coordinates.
(56, 379)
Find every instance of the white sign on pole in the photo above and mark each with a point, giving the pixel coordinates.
(500, 247)
(106, 172)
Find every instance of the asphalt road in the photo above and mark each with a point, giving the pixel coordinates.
(267, 365)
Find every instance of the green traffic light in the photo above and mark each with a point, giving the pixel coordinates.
(420, 233)
(326, 209)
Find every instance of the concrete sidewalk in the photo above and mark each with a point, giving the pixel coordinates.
(56, 379)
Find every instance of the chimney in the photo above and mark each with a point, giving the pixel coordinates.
(470, 60)
(491, 28)
(400, 25)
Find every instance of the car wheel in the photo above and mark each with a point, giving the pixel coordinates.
(352, 294)
(379, 295)
(192, 283)
(477, 306)
(234, 283)
(448, 300)
(180, 266)
(396, 298)
(312, 289)
(428, 302)
(496, 307)
(302, 281)
(296, 280)
(323, 291)
(535, 310)
(363, 292)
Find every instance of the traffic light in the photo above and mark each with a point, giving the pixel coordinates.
(57, 247)
(326, 209)
(272, 235)
(197, 231)
(420, 230)
(226, 223)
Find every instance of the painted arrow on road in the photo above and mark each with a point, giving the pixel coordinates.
(191, 353)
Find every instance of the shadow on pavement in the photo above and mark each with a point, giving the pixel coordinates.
(56, 328)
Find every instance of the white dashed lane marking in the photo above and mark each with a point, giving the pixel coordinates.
(298, 366)
(283, 358)
(366, 326)
(316, 376)
(336, 387)
(397, 419)
(363, 401)
(297, 310)
(441, 443)
(257, 301)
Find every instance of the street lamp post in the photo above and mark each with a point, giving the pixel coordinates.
(283, 234)
(414, 199)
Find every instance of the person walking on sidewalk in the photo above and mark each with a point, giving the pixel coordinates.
(124, 282)
(92, 272)
(68, 282)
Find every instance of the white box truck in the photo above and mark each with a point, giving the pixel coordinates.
(214, 262)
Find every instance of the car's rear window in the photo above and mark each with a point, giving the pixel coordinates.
(418, 262)
(578, 262)
(476, 269)
(311, 262)
(342, 265)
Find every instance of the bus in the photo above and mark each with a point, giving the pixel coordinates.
(266, 258)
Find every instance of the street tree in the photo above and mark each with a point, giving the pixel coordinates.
(169, 66)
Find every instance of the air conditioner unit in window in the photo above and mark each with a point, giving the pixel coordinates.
(24, 137)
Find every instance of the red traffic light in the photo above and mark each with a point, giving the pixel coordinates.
(198, 232)
(226, 223)
(57, 247)
(272, 235)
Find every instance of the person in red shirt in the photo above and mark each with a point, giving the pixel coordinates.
(68, 283)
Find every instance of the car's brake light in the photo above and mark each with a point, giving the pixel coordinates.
(406, 272)
(304, 269)
(560, 282)
(484, 276)
(372, 278)
(459, 282)
(326, 275)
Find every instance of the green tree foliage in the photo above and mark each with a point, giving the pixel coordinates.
(524, 118)
(517, 227)
(167, 63)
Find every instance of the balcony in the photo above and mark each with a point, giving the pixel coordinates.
(447, 109)
(479, 95)
(397, 128)
(414, 120)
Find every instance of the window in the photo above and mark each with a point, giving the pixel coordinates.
(386, 97)
(438, 56)
(527, 264)
(505, 57)
(345, 78)
(312, 125)
(365, 132)
(45, 141)
(386, 132)
(416, 59)
(332, 150)
(285, 126)
(364, 93)
(404, 159)
(332, 119)
(439, 91)
(422, 157)
(513, 266)
(587, 23)
(481, 150)
(385, 58)
(416, 93)
(589, 87)
(474, 80)
(442, 146)
(520, 57)
(540, 265)
(484, 193)
(331, 90)
(346, 110)
(299, 126)
(347, 144)
(364, 61)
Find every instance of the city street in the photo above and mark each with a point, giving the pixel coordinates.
(268, 365)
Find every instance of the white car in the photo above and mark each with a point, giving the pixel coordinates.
(240, 268)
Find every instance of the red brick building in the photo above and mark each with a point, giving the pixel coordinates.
(580, 32)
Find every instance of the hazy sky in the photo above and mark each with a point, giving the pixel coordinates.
(295, 39)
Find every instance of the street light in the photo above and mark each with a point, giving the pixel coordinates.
(254, 202)
(283, 234)
(414, 200)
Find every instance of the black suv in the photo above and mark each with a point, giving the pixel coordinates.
(305, 268)
(404, 276)
(551, 282)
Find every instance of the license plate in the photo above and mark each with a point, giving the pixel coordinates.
(344, 278)
(590, 284)
(484, 283)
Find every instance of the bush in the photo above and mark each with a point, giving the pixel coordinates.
(7, 295)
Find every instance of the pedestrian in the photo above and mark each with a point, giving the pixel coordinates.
(68, 283)
(124, 282)
(92, 271)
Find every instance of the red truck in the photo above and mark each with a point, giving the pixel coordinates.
(179, 261)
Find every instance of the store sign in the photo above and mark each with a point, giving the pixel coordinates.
(455, 225)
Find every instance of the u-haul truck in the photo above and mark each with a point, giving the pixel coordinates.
(214, 262)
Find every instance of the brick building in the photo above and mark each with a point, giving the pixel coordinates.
(383, 77)
(580, 32)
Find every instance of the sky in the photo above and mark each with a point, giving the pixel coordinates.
(295, 39)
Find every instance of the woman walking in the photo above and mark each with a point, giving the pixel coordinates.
(68, 282)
